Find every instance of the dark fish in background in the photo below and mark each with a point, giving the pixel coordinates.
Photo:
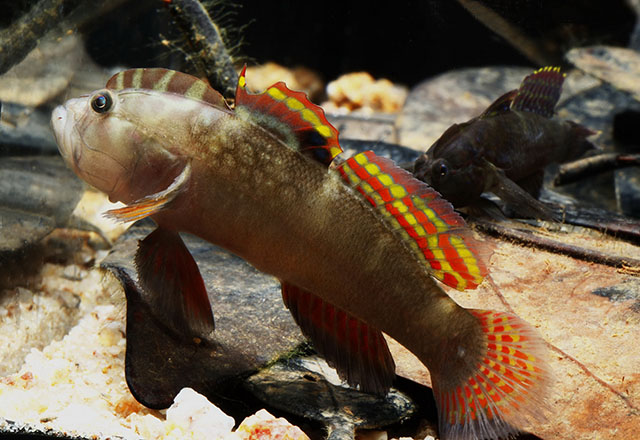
(506, 148)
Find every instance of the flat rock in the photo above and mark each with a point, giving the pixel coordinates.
(36, 195)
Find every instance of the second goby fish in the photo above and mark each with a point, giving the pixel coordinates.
(356, 245)
(505, 149)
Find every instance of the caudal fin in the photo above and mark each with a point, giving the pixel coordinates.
(507, 386)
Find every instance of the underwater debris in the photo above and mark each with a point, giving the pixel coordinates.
(579, 169)
(308, 387)
(540, 239)
(17, 40)
(210, 54)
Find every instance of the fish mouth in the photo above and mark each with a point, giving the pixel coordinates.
(64, 126)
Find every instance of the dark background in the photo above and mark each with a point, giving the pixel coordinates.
(405, 41)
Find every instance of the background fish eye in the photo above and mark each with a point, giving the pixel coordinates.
(441, 169)
(102, 102)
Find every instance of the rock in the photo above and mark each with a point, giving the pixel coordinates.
(263, 426)
(308, 387)
(300, 79)
(26, 131)
(239, 294)
(360, 91)
(376, 127)
(615, 65)
(44, 73)
(437, 103)
(191, 413)
(36, 195)
(399, 154)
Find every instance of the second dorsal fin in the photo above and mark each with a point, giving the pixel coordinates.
(291, 117)
(540, 91)
(427, 223)
(165, 80)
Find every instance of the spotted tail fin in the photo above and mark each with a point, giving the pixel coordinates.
(507, 386)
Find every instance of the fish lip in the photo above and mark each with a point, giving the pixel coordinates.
(63, 123)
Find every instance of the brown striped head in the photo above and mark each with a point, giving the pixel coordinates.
(170, 81)
(133, 137)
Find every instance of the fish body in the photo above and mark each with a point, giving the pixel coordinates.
(357, 245)
(506, 148)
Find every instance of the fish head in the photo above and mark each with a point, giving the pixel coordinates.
(129, 143)
(453, 170)
(94, 141)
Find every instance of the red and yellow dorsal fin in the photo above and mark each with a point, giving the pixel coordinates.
(540, 91)
(432, 229)
(291, 117)
(164, 80)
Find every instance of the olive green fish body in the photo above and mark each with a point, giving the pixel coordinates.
(359, 245)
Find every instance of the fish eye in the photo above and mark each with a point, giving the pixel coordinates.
(101, 102)
(440, 169)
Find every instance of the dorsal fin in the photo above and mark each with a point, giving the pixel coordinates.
(164, 80)
(500, 105)
(540, 91)
(291, 117)
(431, 228)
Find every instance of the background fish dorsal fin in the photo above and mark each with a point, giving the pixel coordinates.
(291, 117)
(540, 91)
(165, 80)
(500, 105)
(438, 236)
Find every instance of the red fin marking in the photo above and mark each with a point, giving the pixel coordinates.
(290, 116)
(540, 91)
(172, 283)
(432, 229)
(164, 80)
(507, 389)
(357, 351)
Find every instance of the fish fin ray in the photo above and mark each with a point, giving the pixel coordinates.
(151, 204)
(517, 198)
(165, 80)
(427, 223)
(539, 92)
(172, 284)
(291, 117)
(500, 105)
(356, 350)
(508, 386)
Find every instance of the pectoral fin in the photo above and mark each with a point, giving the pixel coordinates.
(356, 350)
(517, 198)
(153, 203)
(172, 284)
